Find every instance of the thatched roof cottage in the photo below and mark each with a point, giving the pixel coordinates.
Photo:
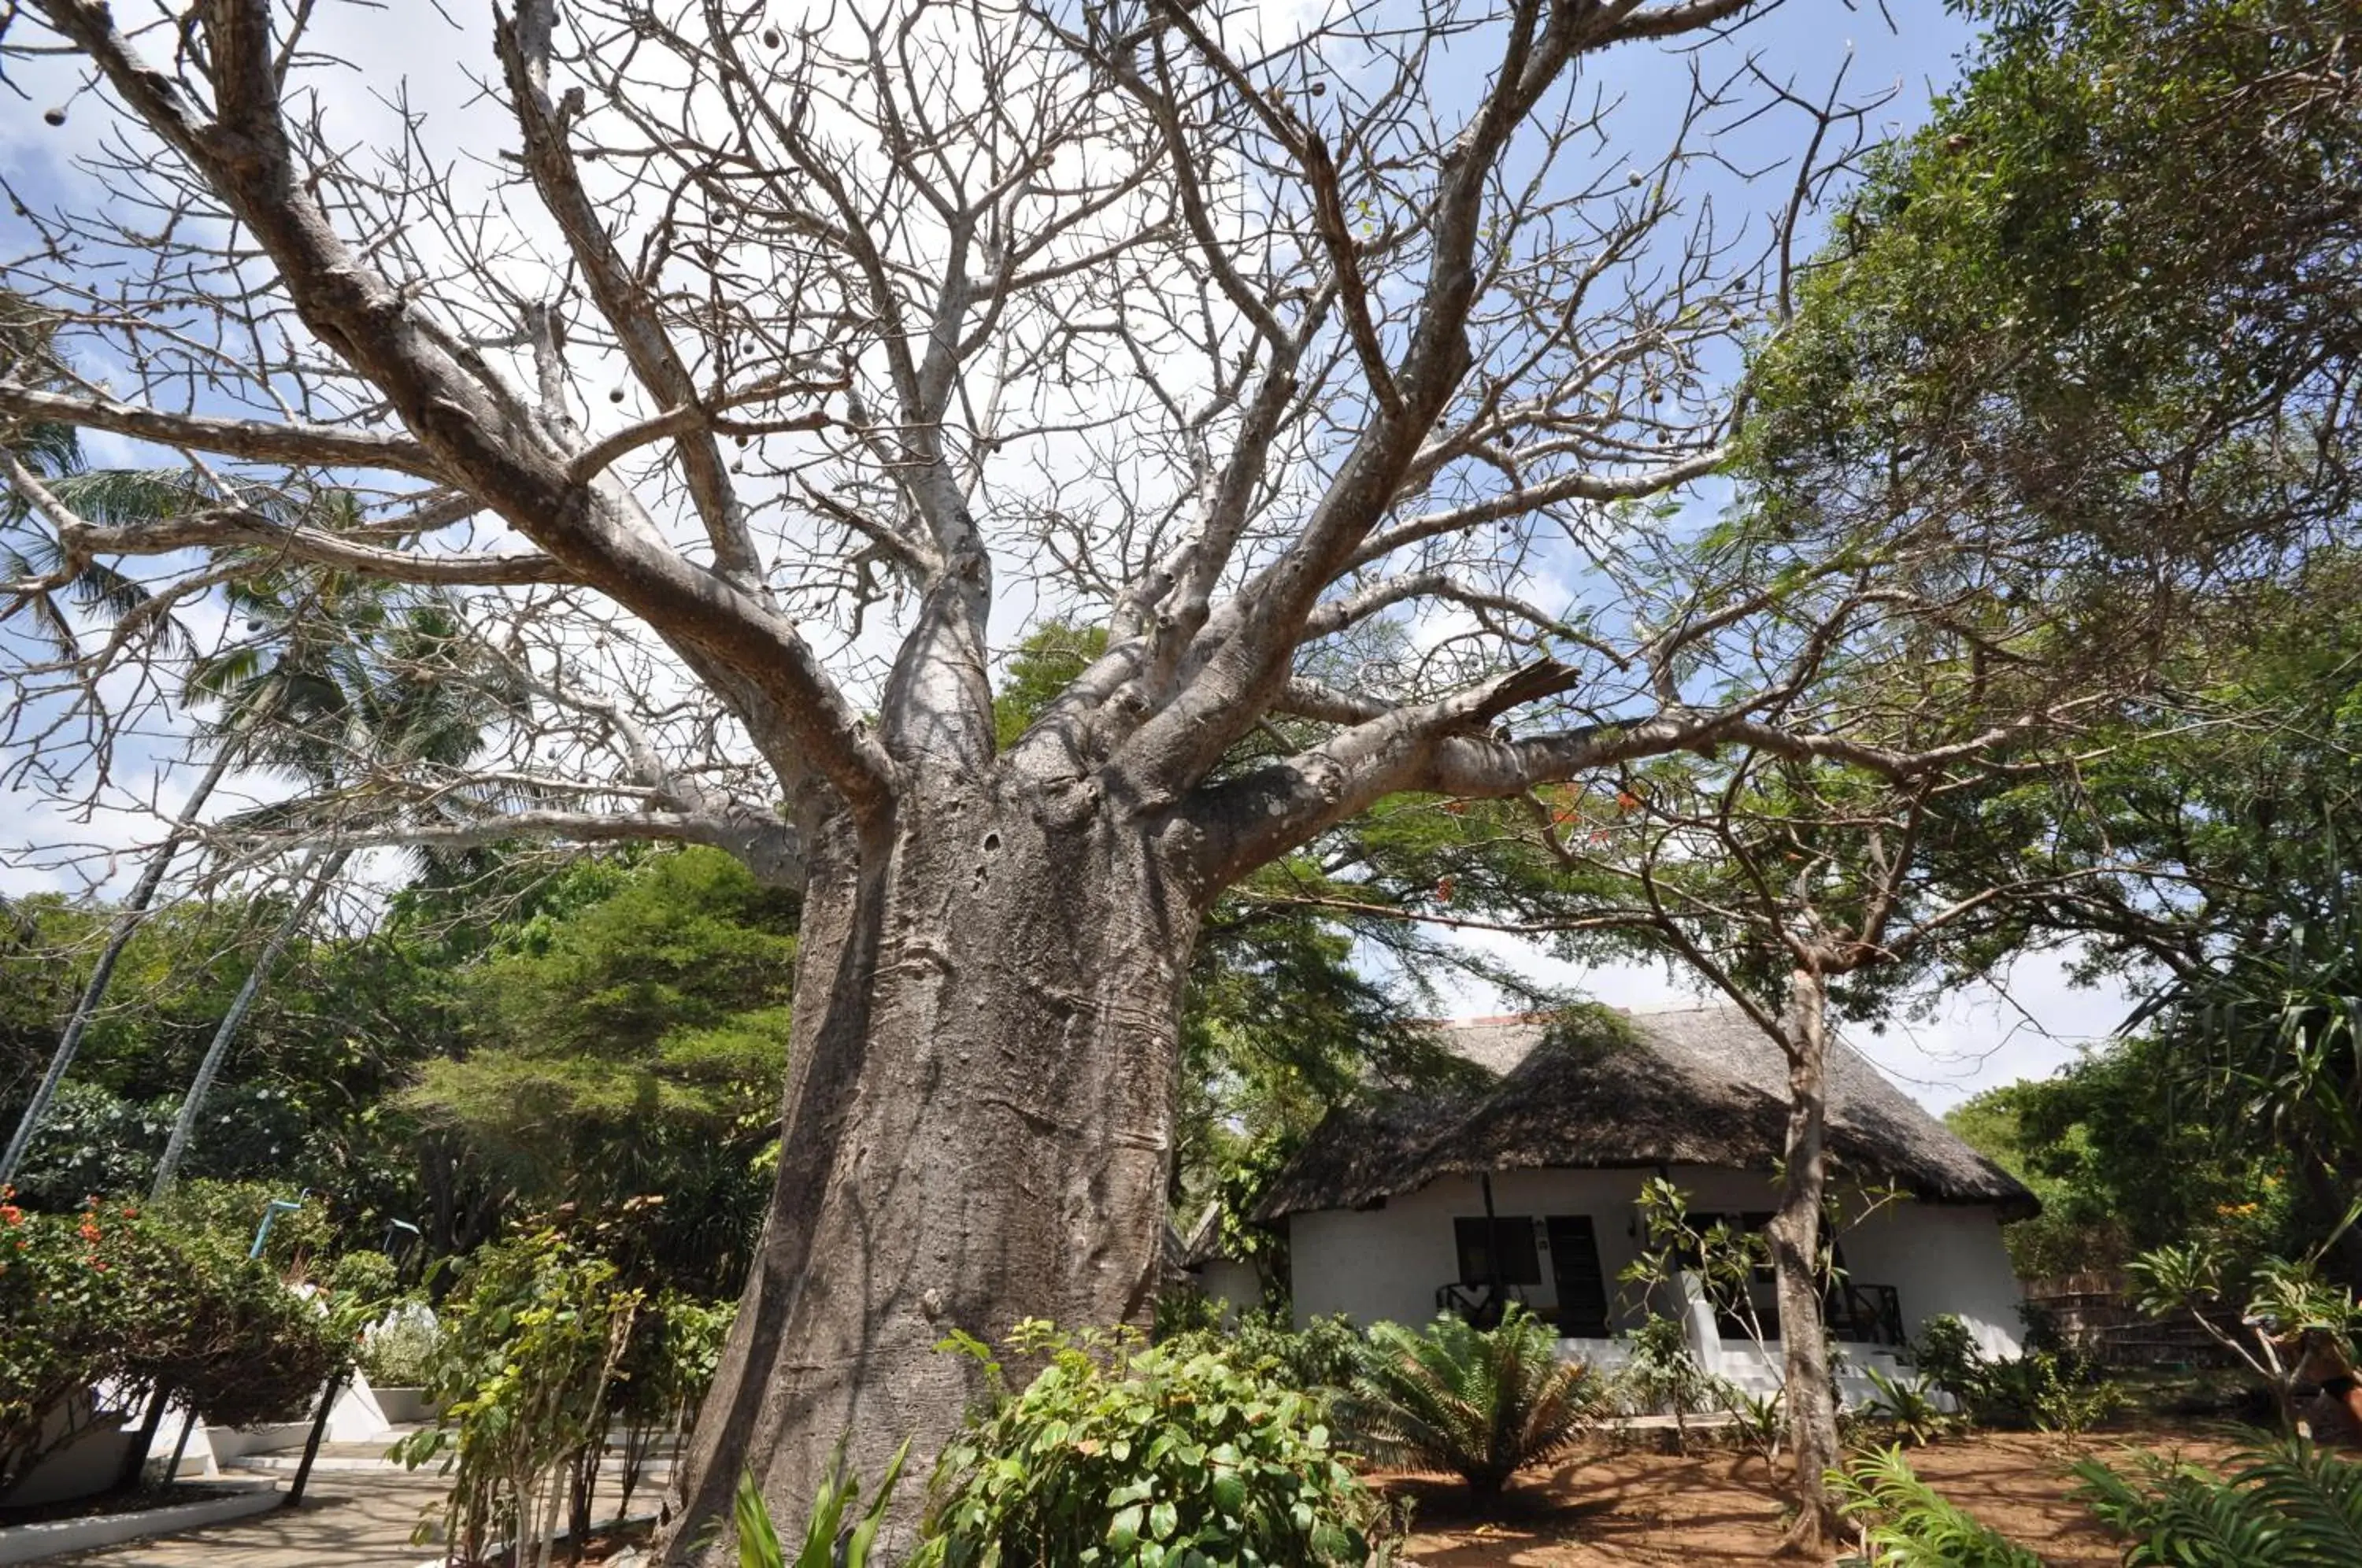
(1386, 1208)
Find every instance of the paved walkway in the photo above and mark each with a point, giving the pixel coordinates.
(350, 1518)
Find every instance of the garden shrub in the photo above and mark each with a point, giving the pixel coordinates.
(1123, 1452)
(2053, 1390)
(110, 1294)
(674, 1351)
(2050, 1391)
(1948, 1357)
(399, 1350)
(1318, 1359)
(1906, 1405)
(231, 1211)
(1664, 1376)
(535, 1333)
(1185, 1311)
(542, 1345)
(1484, 1403)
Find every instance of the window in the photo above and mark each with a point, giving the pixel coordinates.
(1520, 1264)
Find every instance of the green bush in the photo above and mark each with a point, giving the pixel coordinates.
(1484, 1403)
(1186, 1310)
(113, 1295)
(1948, 1357)
(544, 1347)
(231, 1211)
(675, 1349)
(1118, 1452)
(2288, 1505)
(525, 1374)
(1664, 1376)
(1318, 1359)
(2053, 1390)
(398, 1351)
(1905, 1525)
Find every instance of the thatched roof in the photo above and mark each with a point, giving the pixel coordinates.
(1699, 1086)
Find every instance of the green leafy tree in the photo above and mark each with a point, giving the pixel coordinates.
(632, 1039)
(2126, 1155)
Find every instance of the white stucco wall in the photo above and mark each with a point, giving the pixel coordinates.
(1233, 1283)
(1942, 1258)
(1379, 1263)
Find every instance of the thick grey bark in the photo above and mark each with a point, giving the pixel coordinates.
(1795, 1235)
(184, 1125)
(978, 1126)
(127, 922)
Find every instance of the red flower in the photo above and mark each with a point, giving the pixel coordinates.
(11, 1215)
(129, 1212)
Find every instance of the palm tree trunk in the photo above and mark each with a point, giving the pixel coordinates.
(127, 922)
(210, 1068)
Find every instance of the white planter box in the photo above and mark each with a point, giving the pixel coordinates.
(406, 1406)
(55, 1538)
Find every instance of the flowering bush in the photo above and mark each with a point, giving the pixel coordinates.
(111, 1294)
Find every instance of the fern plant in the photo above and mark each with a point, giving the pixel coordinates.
(1484, 1403)
(1905, 1525)
(2286, 1506)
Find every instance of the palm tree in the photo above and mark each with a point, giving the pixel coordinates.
(361, 679)
(44, 588)
(330, 675)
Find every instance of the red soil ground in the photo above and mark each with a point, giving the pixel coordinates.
(1721, 1509)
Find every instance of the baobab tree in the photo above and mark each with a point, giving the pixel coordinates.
(742, 368)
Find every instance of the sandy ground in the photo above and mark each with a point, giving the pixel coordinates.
(1715, 1510)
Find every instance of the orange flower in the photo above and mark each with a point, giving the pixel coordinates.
(11, 1215)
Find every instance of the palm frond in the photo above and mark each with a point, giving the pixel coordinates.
(2286, 1505)
(1482, 1404)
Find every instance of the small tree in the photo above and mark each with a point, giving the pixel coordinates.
(2294, 1321)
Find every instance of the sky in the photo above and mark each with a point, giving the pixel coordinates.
(2026, 1023)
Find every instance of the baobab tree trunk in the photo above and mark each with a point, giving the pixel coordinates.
(1795, 1235)
(977, 1128)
